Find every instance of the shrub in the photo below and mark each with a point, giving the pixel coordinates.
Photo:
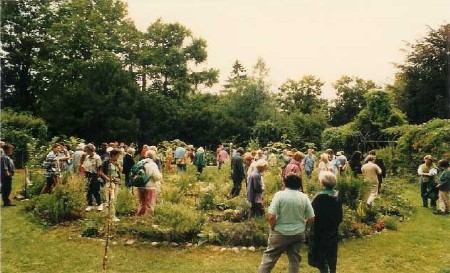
(206, 201)
(391, 223)
(253, 232)
(127, 202)
(38, 179)
(65, 203)
(351, 190)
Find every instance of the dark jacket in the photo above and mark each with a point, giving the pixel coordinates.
(328, 213)
(128, 163)
(237, 167)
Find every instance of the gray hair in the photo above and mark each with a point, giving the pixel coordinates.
(150, 154)
(131, 150)
(328, 179)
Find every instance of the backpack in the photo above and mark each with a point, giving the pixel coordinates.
(138, 176)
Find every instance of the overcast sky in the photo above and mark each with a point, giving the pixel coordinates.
(325, 38)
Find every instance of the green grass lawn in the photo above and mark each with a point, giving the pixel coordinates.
(421, 244)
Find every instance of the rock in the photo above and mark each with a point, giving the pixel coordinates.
(129, 242)
(173, 244)
(114, 243)
(244, 248)
(155, 243)
(235, 250)
(223, 249)
(252, 249)
(215, 249)
(189, 245)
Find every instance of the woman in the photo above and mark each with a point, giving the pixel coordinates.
(147, 195)
(328, 215)
(444, 188)
(308, 162)
(110, 173)
(199, 160)
(324, 164)
(255, 188)
(128, 163)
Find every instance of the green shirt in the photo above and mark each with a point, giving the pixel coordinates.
(292, 208)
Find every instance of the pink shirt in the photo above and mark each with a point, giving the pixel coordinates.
(222, 156)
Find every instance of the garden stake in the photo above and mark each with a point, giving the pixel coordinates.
(109, 220)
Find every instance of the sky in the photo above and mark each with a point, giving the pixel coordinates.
(325, 38)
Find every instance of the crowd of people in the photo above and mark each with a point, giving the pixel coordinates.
(291, 214)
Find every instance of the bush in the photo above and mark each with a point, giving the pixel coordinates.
(65, 203)
(253, 232)
(351, 190)
(127, 202)
(171, 222)
(206, 201)
(391, 223)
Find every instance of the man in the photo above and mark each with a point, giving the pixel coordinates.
(147, 195)
(370, 172)
(91, 166)
(7, 173)
(255, 188)
(426, 172)
(334, 162)
(128, 163)
(237, 172)
(380, 163)
(52, 170)
(309, 162)
(290, 212)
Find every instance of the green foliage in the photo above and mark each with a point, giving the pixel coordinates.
(344, 138)
(350, 101)
(391, 223)
(206, 201)
(20, 129)
(432, 138)
(351, 190)
(249, 233)
(171, 222)
(301, 96)
(421, 85)
(126, 203)
(65, 203)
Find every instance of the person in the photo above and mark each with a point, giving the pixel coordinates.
(143, 151)
(252, 167)
(370, 172)
(426, 172)
(169, 159)
(199, 160)
(157, 159)
(334, 162)
(110, 173)
(6, 174)
(309, 162)
(180, 159)
(255, 188)
(342, 161)
(52, 170)
(91, 165)
(237, 172)
(147, 195)
(249, 157)
(328, 215)
(355, 163)
(2, 143)
(290, 212)
(128, 163)
(222, 155)
(324, 164)
(77, 155)
(444, 188)
(295, 166)
(380, 163)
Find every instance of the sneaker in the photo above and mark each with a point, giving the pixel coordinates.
(115, 219)
(89, 208)
(100, 208)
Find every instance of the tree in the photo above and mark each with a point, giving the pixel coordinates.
(350, 101)
(302, 95)
(24, 37)
(166, 55)
(421, 85)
